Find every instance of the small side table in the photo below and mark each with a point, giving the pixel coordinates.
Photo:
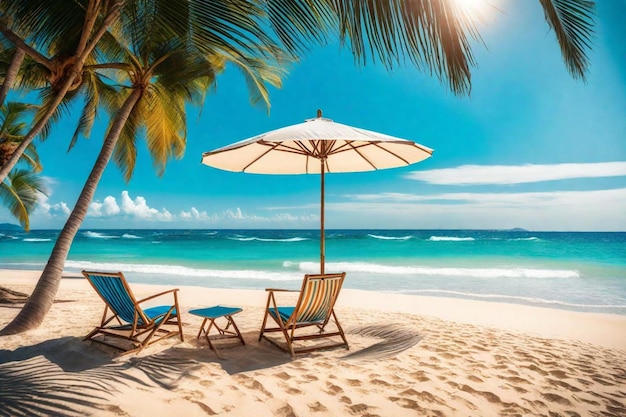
(211, 314)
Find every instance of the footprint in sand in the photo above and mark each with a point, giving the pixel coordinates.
(285, 411)
(536, 369)
(489, 396)
(516, 380)
(289, 389)
(556, 398)
(317, 407)
(358, 408)
(283, 375)
(420, 376)
(345, 400)
(253, 384)
(380, 382)
(558, 374)
(354, 382)
(563, 384)
(406, 403)
(600, 379)
(333, 389)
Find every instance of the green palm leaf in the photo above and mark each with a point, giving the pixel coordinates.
(21, 193)
(572, 21)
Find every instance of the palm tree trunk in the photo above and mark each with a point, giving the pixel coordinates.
(11, 74)
(40, 301)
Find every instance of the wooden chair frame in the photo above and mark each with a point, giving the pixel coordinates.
(314, 308)
(142, 327)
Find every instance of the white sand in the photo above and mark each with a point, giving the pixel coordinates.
(471, 358)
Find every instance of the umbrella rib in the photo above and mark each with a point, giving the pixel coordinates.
(378, 145)
(356, 149)
(270, 148)
(321, 147)
(392, 153)
(279, 147)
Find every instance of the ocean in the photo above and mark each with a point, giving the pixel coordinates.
(580, 271)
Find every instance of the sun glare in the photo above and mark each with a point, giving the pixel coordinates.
(477, 10)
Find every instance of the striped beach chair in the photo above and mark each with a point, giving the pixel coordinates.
(124, 320)
(314, 308)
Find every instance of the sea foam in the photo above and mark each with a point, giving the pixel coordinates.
(390, 237)
(530, 300)
(179, 270)
(442, 271)
(259, 239)
(450, 239)
(97, 235)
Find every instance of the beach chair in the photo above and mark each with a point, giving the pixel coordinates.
(314, 308)
(124, 320)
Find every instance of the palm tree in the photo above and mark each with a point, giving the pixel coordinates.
(432, 35)
(21, 190)
(163, 75)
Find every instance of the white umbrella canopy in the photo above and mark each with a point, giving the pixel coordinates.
(317, 146)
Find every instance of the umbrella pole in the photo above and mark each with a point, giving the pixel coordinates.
(322, 244)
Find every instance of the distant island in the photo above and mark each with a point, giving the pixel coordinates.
(9, 226)
(517, 229)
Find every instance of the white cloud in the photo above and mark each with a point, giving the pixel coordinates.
(552, 198)
(559, 210)
(195, 214)
(238, 218)
(138, 208)
(48, 210)
(133, 209)
(517, 174)
(107, 208)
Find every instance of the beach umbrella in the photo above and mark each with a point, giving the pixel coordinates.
(317, 146)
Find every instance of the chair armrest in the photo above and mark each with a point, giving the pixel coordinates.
(173, 291)
(280, 290)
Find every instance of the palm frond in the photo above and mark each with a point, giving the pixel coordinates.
(125, 153)
(31, 158)
(20, 193)
(165, 121)
(432, 35)
(300, 25)
(257, 74)
(32, 76)
(572, 22)
(54, 27)
(97, 94)
(48, 95)
(12, 115)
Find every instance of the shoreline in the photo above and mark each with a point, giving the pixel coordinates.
(597, 328)
(608, 330)
(465, 357)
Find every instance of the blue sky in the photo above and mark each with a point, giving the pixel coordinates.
(531, 147)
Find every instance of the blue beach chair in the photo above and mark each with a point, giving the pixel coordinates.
(125, 320)
(314, 308)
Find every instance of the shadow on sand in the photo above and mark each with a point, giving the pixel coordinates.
(66, 376)
(62, 376)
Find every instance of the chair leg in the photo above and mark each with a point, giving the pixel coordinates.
(267, 312)
(179, 319)
(341, 333)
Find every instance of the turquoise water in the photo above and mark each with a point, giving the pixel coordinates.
(576, 271)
